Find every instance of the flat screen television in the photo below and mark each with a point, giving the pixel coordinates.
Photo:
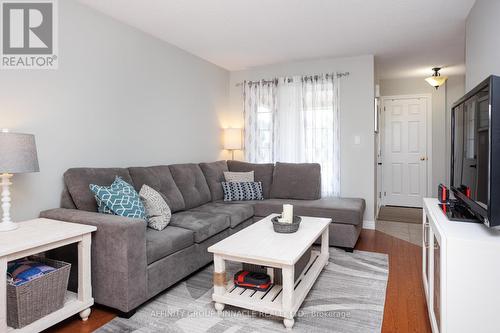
(475, 151)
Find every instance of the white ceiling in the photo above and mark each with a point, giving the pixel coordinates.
(407, 37)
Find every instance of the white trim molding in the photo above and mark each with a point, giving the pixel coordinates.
(369, 224)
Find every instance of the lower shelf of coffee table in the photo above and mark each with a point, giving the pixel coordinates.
(270, 301)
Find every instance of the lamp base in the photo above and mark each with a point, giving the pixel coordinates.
(8, 226)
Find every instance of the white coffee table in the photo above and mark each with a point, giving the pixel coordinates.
(260, 245)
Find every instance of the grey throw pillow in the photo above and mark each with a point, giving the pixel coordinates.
(157, 210)
(238, 177)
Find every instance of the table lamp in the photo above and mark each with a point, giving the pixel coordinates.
(232, 140)
(17, 155)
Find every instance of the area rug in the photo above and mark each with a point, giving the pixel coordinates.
(348, 296)
(400, 214)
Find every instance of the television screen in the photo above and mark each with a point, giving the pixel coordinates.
(470, 164)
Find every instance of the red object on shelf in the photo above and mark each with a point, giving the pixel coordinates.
(443, 193)
(252, 280)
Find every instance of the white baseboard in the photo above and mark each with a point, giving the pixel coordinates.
(367, 224)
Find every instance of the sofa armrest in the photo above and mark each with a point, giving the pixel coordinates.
(118, 256)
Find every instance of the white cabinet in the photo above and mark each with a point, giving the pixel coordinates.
(436, 280)
(425, 252)
(461, 273)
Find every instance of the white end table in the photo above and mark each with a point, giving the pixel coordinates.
(258, 244)
(40, 235)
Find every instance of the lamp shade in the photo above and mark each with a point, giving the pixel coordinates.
(436, 81)
(232, 138)
(18, 153)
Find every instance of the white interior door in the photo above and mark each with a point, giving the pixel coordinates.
(405, 151)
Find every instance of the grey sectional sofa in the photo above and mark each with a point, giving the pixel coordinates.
(132, 263)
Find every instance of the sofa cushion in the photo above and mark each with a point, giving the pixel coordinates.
(340, 210)
(204, 225)
(77, 181)
(296, 181)
(192, 184)
(66, 200)
(237, 212)
(214, 175)
(160, 244)
(160, 179)
(262, 173)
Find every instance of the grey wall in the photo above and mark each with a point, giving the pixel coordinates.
(442, 99)
(119, 98)
(482, 51)
(356, 118)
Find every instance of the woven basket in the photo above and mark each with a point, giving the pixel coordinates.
(286, 228)
(39, 297)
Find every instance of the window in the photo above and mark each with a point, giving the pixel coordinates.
(295, 120)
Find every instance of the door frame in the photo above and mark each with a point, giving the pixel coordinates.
(428, 129)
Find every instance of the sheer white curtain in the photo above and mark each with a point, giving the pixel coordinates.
(295, 119)
(320, 100)
(289, 143)
(260, 110)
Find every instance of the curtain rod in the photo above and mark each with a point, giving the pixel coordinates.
(339, 75)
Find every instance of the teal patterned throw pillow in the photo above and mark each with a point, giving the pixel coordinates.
(119, 199)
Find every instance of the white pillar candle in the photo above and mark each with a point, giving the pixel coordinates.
(288, 213)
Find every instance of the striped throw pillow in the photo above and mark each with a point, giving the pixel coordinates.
(242, 191)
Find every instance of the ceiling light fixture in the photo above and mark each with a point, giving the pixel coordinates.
(436, 80)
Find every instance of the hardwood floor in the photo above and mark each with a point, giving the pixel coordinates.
(405, 306)
(98, 317)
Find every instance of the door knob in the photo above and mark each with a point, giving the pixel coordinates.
(422, 158)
